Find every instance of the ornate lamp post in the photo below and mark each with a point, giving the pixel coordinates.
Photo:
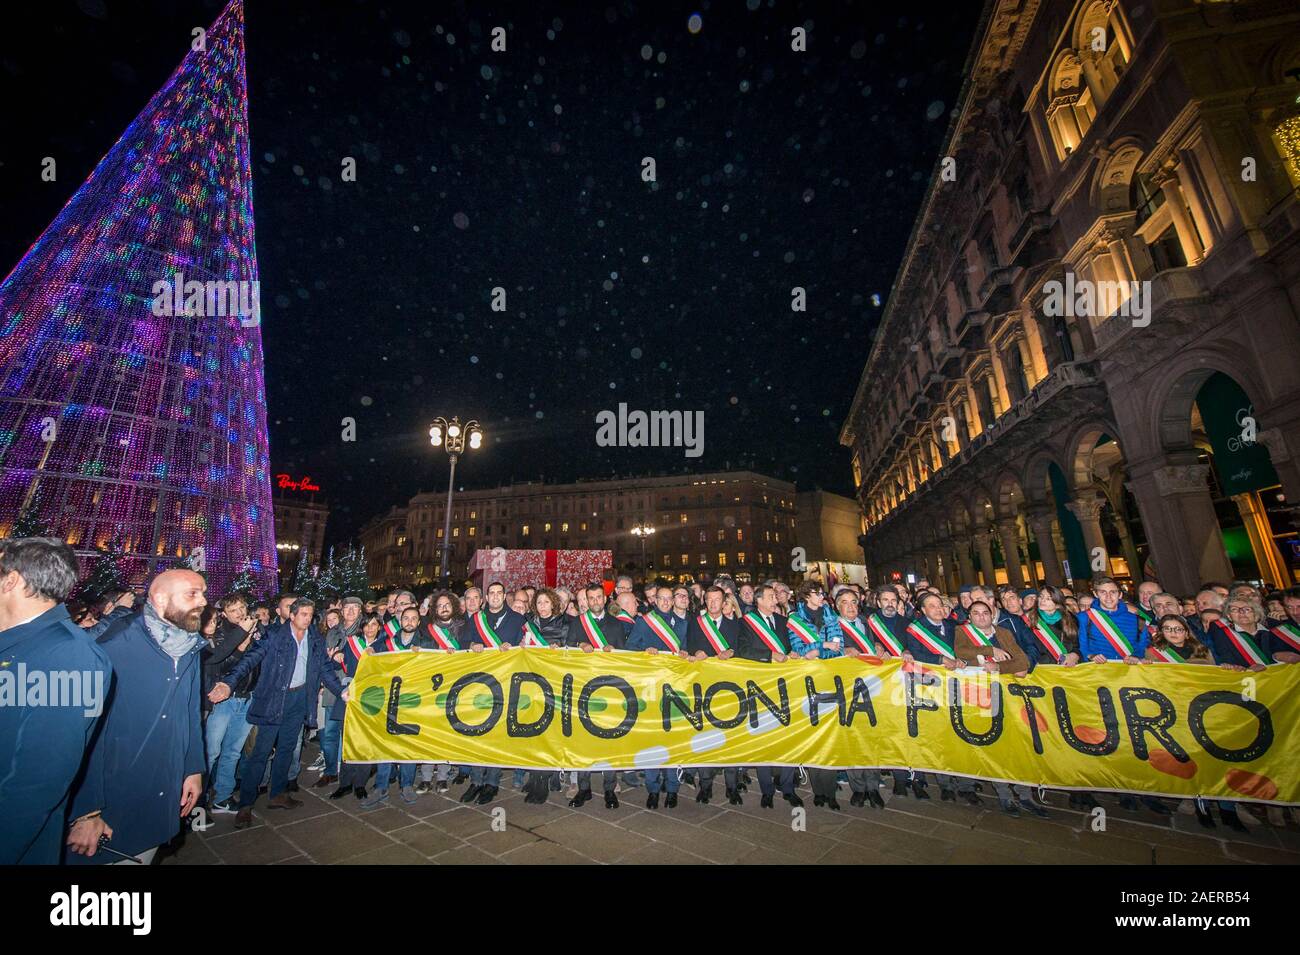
(643, 531)
(451, 436)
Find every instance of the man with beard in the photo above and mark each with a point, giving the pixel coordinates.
(658, 631)
(594, 630)
(294, 666)
(411, 636)
(496, 627)
(144, 772)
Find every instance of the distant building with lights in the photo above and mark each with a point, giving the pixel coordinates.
(299, 529)
(735, 522)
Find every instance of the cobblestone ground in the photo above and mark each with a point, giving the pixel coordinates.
(437, 829)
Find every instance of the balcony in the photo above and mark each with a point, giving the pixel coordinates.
(967, 333)
(1172, 286)
(1030, 225)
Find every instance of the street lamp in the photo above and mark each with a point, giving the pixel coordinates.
(643, 531)
(451, 436)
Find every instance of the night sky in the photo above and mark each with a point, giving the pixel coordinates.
(522, 169)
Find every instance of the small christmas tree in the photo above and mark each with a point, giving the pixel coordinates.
(30, 523)
(105, 575)
(245, 584)
(353, 575)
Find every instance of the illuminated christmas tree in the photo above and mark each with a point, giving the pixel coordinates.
(121, 416)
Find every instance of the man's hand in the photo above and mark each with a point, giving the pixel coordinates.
(476, 647)
(506, 646)
(651, 650)
(779, 658)
(952, 663)
(1230, 666)
(219, 692)
(84, 837)
(999, 654)
(991, 666)
(1097, 658)
(191, 790)
(588, 648)
(126, 600)
(1130, 660)
(726, 654)
(813, 654)
(607, 649)
(1070, 660)
(347, 693)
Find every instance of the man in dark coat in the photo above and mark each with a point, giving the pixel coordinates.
(42, 746)
(145, 769)
(294, 666)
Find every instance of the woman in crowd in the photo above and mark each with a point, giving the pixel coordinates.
(545, 626)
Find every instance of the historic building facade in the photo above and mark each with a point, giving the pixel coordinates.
(735, 522)
(1088, 359)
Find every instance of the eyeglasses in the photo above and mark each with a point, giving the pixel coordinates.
(1173, 629)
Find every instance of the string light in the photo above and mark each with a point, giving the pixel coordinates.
(121, 423)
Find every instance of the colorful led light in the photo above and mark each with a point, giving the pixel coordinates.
(158, 423)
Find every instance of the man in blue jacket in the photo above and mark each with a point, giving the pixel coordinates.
(145, 769)
(42, 746)
(294, 665)
(1108, 630)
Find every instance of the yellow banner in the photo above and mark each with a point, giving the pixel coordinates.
(1166, 729)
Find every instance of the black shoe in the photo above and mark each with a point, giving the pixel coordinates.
(918, 790)
(858, 799)
(1233, 821)
(652, 801)
(487, 794)
(359, 792)
(1129, 803)
(671, 801)
(1034, 809)
(733, 797)
(819, 800)
(900, 787)
(745, 778)
(291, 786)
(794, 800)
(688, 779)
(577, 801)
(875, 799)
(261, 790)
(1009, 808)
(1206, 820)
(832, 804)
(460, 778)
(705, 794)
(469, 795)
(611, 799)
(1156, 806)
(341, 792)
(765, 802)
(971, 798)
(947, 795)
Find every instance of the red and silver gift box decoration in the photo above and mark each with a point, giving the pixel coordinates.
(540, 568)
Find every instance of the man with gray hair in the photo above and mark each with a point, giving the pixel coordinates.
(331, 734)
(41, 747)
(294, 666)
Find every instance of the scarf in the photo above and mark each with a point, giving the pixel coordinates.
(174, 641)
(1050, 617)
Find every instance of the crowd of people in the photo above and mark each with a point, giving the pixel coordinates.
(208, 703)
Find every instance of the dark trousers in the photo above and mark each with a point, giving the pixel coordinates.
(608, 779)
(283, 738)
(785, 775)
(354, 774)
(824, 782)
(730, 775)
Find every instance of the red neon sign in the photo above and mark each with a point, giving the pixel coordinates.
(283, 482)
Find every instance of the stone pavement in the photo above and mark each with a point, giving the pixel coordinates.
(438, 829)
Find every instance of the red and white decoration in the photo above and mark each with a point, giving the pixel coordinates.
(540, 568)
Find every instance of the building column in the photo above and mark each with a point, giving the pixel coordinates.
(1178, 514)
(1087, 508)
(967, 568)
(1272, 567)
(1040, 520)
(1009, 536)
(984, 547)
(1182, 218)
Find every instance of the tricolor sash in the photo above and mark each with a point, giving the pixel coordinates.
(1289, 634)
(858, 635)
(1168, 655)
(886, 636)
(1244, 643)
(1048, 638)
(765, 633)
(488, 636)
(661, 629)
(622, 616)
(391, 626)
(533, 637)
(357, 644)
(395, 646)
(1113, 634)
(930, 641)
(806, 633)
(443, 636)
(976, 636)
(592, 626)
(713, 634)
(1145, 614)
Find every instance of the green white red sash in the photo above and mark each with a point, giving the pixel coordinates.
(765, 633)
(357, 644)
(713, 634)
(886, 636)
(1289, 634)
(396, 646)
(1168, 655)
(1145, 614)
(858, 635)
(485, 631)
(592, 626)
(928, 640)
(1113, 634)
(391, 626)
(1048, 638)
(806, 633)
(660, 628)
(1244, 643)
(533, 637)
(443, 636)
(622, 616)
(976, 636)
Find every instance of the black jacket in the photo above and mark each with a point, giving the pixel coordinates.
(554, 630)
(697, 641)
(611, 628)
(752, 646)
(222, 657)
